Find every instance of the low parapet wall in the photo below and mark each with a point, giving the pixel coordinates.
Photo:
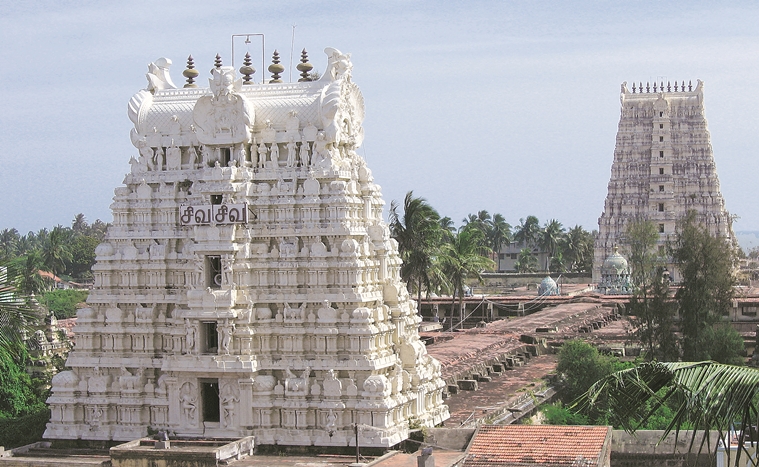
(643, 449)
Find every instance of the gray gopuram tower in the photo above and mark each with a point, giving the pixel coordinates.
(248, 284)
(663, 167)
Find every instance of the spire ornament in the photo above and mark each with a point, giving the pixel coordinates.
(247, 70)
(217, 61)
(190, 73)
(276, 68)
(304, 67)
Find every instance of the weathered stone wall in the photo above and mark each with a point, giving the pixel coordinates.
(641, 450)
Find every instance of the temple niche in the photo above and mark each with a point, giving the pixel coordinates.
(663, 167)
(248, 284)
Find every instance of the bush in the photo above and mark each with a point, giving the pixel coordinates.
(558, 414)
(20, 431)
(63, 302)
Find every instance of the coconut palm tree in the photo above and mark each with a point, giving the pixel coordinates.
(526, 261)
(528, 231)
(55, 253)
(461, 260)
(706, 395)
(575, 248)
(418, 233)
(550, 236)
(499, 234)
(15, 314)
(8, 240)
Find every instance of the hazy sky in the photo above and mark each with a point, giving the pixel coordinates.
(506, 106)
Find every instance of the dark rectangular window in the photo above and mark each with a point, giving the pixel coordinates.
(213, 271)
(210, 338)
(661, 207)
(661, 188)
(216, 199)
(661, 138)
(661, 125)
(661, 153)
(661, 171)
(661, 228)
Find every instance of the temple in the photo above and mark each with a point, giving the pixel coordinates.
(248, 284)
(663, 167)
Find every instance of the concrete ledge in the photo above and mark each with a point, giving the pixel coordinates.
(467, 384)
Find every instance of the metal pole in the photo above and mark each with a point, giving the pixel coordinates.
(355, 428)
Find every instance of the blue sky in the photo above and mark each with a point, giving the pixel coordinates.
(506, 106)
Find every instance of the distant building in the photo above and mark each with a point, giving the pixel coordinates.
(663, 167)
(509, 254)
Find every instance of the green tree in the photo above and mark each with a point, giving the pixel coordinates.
(461, 260)
(705, 296)
(577, 249)
(650, 303)
(418, 233)
(725, 344)
(28, 278)
(8, 240)
(499, 234)
(15, 314)
(550, 237)
(580, 365)
(704, 396)
(526, 261)
(528, 231)
(55, 253)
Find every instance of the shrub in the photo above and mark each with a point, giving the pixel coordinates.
(63, 302)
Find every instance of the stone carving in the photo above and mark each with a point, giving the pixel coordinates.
(262, 151)
(264, 383)
(295, 385)
(274, 156)
(224, 117)
(332, 386)
(292, 154)
(326, 313)
(190, 334)
(225, 332)
(305, 161)
(189, 403)
(158, 75)
(229, 402)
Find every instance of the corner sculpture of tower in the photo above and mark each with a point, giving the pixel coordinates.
(248, 284)
(663, 167)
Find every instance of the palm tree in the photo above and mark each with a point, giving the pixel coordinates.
(446, 223)
(526, 261)
(79, 225)
(500, 233)
(706, 395)
(418, 233)
(27, 269)
(575, 248)
(15, 315)
(8, 240)
(55, 253)
(549, 239)
(528, 231)
(461, 259)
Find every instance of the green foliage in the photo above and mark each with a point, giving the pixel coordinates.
(526, 261)
(559, 414)
(724, 344)
(16, 394)
(706, 293)
(63, 302)
(580, 365)
(703, 396)
(15, 432)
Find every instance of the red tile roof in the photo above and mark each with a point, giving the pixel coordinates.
(544, 445)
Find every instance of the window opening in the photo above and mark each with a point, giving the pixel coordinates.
(216, 199)
(661, 114)
(213, 274)
(209, 394)
(661, 138)
(661, 228)
(661, 125)
(661, 153)
(661, 171)
(210, 338)
(224, 153)
(661, 207)
(661, 188)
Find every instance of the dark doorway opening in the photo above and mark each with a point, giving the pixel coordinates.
(209, 393)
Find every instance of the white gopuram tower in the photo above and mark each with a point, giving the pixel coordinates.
(248, 285)
(663, 167)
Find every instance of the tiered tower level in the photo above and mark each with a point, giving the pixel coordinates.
(248, 285)
(663, 167)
